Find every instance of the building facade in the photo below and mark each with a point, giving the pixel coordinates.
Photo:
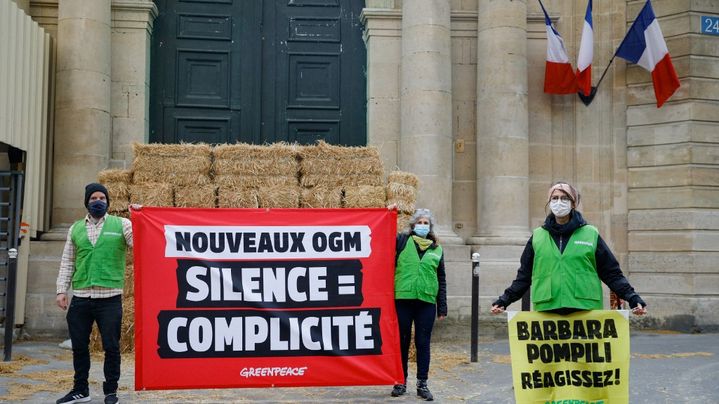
(454, 94)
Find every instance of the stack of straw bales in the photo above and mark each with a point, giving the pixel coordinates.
(118, 184)
(251, 176)
(402, 192)
(335, 176)
(162, 172)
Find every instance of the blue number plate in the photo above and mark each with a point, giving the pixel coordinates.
(710, 25)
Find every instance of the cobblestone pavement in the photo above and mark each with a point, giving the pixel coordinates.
(665, 368)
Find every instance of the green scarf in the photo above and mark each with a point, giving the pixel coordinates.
(423, 243)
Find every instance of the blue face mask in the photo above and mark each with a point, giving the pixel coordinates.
(421, 230)
(97, 209)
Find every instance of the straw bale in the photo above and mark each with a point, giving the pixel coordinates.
(325, 150)
(403, 206)
(334, 181)
(122, 213)
(255, 181)
(396, 190)
(364, 196)
(204, 196)
(152, 194)
(242, 151)
(184, 170)
(403, 177)
(117, 190)
(279, 196)
(346, 166)
(118, 205)
(321, 197)
(229, 197)
(172, 150)
(403, 222)
(114, 175)
(281, 165)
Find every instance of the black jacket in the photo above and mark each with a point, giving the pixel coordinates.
(402, 239)
(607, 265)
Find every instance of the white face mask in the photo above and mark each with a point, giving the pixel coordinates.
(560, 208)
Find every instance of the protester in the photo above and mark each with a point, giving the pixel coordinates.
(564, 261)
(420, 294)
(94, 262)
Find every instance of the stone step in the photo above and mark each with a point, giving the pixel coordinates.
(453, 252)
(45, 249)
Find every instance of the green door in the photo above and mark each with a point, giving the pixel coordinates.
(258, 72)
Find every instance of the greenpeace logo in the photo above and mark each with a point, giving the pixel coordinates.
(273, 371)
(586, 243)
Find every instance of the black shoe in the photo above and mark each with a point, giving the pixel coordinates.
(423, 391)
(75, 396)
(399, 390)
(111, 398)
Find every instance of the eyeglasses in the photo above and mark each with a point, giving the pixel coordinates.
(561, 198)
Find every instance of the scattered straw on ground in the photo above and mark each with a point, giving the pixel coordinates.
(17, 363)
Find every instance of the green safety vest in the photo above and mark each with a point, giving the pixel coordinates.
(104, 263)
(416, 278)
(569, 279)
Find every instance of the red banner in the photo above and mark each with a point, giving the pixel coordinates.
(264, 297)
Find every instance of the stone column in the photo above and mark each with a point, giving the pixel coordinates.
(426, 107)
(82, 103)
(23, 5)
(502, 125)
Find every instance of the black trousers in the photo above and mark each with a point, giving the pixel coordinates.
(422, 314)
(107, 313)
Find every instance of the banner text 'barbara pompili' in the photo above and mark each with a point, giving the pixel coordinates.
(577, 358)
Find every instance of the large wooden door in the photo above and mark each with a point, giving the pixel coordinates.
(258, 71)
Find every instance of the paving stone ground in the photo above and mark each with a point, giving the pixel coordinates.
(665, 368)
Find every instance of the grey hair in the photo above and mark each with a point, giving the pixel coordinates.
(420, 213)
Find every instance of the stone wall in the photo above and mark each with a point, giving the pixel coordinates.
(673, 160)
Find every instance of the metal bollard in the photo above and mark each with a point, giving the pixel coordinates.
(475, 306)
(10, 302)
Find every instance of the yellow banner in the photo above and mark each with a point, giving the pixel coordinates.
(581, 358)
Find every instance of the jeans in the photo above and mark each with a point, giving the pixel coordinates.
(422, 314)
(107, 312)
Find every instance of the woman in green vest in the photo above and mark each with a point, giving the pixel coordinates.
(565, 261)
(420, 292)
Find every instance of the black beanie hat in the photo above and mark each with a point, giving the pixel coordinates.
(93, 187)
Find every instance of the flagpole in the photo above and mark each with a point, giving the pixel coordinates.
(587, 99)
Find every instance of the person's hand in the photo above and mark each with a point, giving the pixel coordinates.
(135, 206)
(440, 318)
(497, 309)
(61, 300)
(639, 310)
(392, 206)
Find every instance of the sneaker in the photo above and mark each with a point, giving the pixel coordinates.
(111, 398)
(423, 391)
(75, 397)
(399, 389)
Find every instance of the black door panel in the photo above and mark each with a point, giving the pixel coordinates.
(258, 71)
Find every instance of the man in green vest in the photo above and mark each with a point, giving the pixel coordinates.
(93, 262)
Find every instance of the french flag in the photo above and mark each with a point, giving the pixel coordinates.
(645, 46)
(586, 54)
(559, 77)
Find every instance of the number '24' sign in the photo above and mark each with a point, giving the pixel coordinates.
(710, 25)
